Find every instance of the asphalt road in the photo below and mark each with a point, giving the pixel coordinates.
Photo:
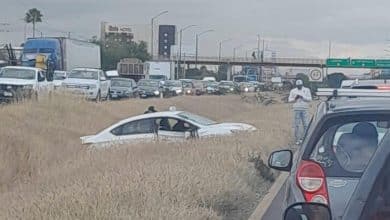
(275, 212)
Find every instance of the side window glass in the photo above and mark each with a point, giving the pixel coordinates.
(145, 126)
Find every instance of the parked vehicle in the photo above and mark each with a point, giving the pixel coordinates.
(170, 125)
(227, 87)
(131, 68)
(247, 87)
(172, 88)
(342, 138)
(58, 78)
(62, 53)
(209, 78)
(18, 83)
(159, 70)
(370, 200)
(123, 88)
(91, 83)
(192, 87)
(365, 84)
(149, 88)
(211, 87)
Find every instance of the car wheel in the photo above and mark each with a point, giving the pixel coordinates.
(98, 97)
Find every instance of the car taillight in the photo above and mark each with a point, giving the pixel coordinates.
(311, 180)
(383, 87)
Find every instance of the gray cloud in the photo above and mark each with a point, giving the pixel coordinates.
(350, 24)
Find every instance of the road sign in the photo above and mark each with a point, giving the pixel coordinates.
(382, 63)
(315, 75)
(338, 62)
(362, 63)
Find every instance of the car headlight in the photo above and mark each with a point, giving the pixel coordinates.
(179, 91)
(156, 92)
(28, 87)
(9, 87)
(189, 91)
(231, 89)
(246, 89)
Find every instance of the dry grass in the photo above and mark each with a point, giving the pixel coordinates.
(47, 174)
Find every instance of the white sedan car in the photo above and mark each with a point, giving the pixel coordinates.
(170, 125)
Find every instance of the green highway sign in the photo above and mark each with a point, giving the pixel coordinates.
(358, 63)
(362, 63)
(383, 63)
(338, 62)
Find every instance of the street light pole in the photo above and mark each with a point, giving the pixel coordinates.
(234, 55)
(220, 48)
(258, 46)
(197, 45)
(152, 32)
(180, 46)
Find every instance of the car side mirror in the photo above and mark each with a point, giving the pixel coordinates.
(307, 211)
(281, 160)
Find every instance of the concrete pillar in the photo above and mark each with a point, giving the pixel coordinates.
(229, 72)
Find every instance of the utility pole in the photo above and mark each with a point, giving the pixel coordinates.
(180, 46)
(258, 47)
(220, 48)
(152, 32)
(197, 45)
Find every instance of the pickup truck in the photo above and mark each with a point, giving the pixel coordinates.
(18, 83)
(91, 83)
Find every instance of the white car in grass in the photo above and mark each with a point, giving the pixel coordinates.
(169, 125)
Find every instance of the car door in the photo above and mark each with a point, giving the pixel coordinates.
(139, 130)
(171, 129)
(104, 84)
(42, 83)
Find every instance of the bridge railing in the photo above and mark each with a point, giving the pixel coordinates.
(245, 60)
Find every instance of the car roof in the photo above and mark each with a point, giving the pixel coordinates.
(22, 67)
(152, 115)
(87, 69)
(345, 104)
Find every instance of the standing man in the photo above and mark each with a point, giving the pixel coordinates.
(301, 97)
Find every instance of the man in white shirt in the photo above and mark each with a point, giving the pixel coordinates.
(301, 97)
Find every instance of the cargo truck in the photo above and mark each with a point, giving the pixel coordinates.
(62, 54)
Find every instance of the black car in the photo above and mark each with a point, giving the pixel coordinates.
(123, 88)
(149, 88)
(344, 134)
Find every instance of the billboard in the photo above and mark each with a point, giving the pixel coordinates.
(117, 29)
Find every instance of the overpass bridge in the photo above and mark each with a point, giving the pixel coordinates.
(240, 61)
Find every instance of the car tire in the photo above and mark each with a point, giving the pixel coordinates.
(98, 97)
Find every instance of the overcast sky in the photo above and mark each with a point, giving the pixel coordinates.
(299, 28)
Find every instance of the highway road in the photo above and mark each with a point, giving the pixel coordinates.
(275, 212)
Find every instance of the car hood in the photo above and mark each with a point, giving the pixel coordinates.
(80, 81)
(17, 82)
(232, 127)
(148, 88)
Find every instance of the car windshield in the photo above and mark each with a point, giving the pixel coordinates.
(84, 74)
(14, 73)
(226, 83)
(187, 84)
(173, 83)
(240, 79)
(349, 146)
(196, 119)
(150, 83)
(120, 83)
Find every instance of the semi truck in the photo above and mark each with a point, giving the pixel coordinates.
(62, 54)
